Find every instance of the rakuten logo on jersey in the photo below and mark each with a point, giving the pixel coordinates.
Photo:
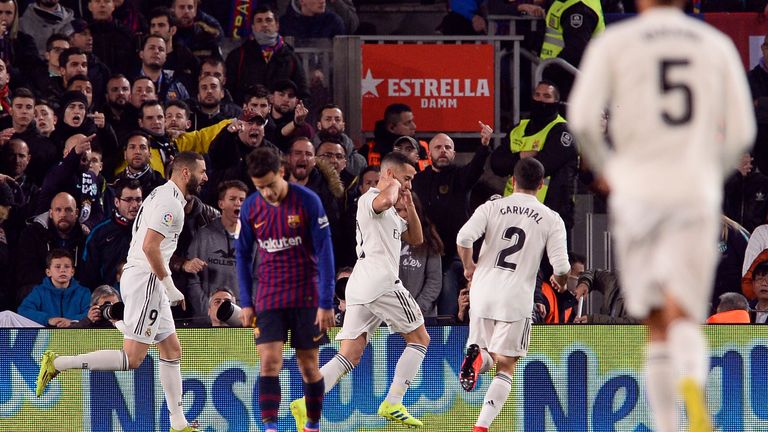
(280, 244)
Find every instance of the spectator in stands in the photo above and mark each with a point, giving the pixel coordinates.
(411, 148)
(465, 17)
(197, 30)
(153, 57)
(17, 49)
(43, 152)
(44, 18)
(332, 152)
(112, 43)
(97, 71)
(611, 310)
(304, 169)
(15, 159)
(214, 302)
(420, 266)
(311, 21)
(118, 110)
(59, 300)
(570, 26)
(444, 189)
(102, 295)
(544, 137)
(215, 246)
(734, 240)
(732, 308)
(555, 304)
(397, 122)
(264, 58)
(288, 115)
(74, 177)
(82, 84)
(746, 195)
(340, 297)
(54, 46)
(256, 99)
(177, 115)
(107, 245)
(331, 125)
(758, 84)
(215, 67)
(142, 90)
(137, 156)
(45, 117)
(760, 284)
(210, 108)
(72, 61)
(179, 58)
(7, 295)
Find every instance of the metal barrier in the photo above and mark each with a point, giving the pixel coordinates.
(554, 61)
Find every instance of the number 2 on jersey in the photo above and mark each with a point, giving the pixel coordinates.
(668, 85)
(517, 236)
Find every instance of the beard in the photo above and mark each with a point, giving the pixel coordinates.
(194, 185)
(209, 105)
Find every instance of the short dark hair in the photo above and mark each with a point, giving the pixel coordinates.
(231, 184)
(329, 106)
(146, 38)
(67, 53)
(528, 173)
(760, 270)
(178, 103)
(58, 253)
(136, 132)
(574, 257)
(554, 86)
(396, 158)
(149, 103)
(161, 11)
(118, 76)
(369, 168)
(47, 102)
(53, 38)
(301, 138)
(256, 91)
(332, 140)
(213, 60)
(79, 77)
(732, 301)
(392, 112)
(262, 161)
(23, 92)
(263, 8)
(125, 183)
(185, 159)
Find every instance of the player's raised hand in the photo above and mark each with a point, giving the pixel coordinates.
(325, 319)
(486, 133)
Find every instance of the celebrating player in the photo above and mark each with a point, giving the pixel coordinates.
(148, 292)
(681, 115)
(517, 229)
(295, 274)
(374, 291)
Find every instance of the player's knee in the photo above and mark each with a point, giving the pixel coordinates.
(270, 366)
(135, 360)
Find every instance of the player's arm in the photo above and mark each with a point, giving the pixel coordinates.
(389, 193)
(151, 249)
(244, 264)
(471, 231)
(323, 248)
(414, 236)
(586, 104)
(557, 252)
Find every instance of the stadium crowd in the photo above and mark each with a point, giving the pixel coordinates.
(97, 96)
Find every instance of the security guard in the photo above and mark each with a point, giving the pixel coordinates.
(545, 137)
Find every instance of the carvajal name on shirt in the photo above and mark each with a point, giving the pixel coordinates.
(523, 211)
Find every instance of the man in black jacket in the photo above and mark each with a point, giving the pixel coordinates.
(56, 228)
(137, 156)
(107, 245)
(746, 195)
(264, 58)
(444, 190)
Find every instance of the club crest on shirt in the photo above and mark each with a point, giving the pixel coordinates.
(294, 221)
(566, 139)
(577, 20)
(167, 219)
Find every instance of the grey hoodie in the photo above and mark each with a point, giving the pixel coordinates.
(355, 161)
(41, 24)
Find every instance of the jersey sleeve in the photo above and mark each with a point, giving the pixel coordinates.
(164, 216)
(321, 240)
(557, 249)
(474, 228)
(244, 255)
(366, 201)
(587, 102)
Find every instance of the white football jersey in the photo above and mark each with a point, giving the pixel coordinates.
(518, 229)
(378, 252)
(161, 211)
(680, 110)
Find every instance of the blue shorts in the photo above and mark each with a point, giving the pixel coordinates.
(272, 325)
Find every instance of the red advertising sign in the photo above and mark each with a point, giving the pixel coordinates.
(747, 30)
(448, 87)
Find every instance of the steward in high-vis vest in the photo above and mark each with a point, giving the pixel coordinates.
(570, 26)
(545, 137)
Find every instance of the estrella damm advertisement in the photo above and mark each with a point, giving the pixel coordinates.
(575, 378)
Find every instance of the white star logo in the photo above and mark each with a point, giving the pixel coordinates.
(369, 84)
